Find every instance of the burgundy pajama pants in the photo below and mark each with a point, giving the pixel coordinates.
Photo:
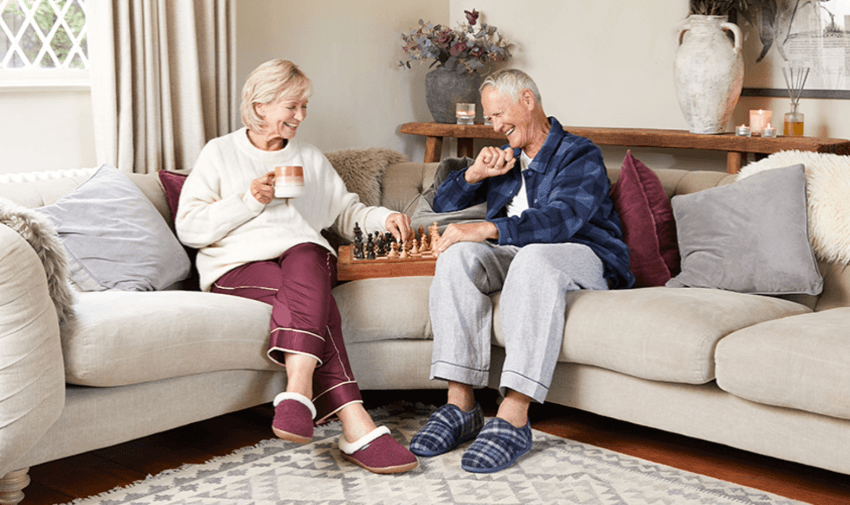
(305, 318)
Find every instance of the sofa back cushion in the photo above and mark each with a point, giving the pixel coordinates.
(47, 192)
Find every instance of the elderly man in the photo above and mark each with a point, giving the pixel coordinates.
(550, 228)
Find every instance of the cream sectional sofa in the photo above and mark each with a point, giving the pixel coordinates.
(765, 374)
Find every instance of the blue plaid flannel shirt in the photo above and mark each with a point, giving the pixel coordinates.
(568, 198)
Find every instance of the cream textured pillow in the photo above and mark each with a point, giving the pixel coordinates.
(362, 170)
(828, 185)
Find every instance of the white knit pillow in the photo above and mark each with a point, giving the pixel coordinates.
(828, 188)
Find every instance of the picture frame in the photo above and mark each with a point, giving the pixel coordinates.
(799, 33)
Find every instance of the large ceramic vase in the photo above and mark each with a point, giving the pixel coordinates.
(709, 72)
(444, 88)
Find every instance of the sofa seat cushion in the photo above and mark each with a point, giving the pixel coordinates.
(393, 308)
(133, 337)
(659, 333)
(800, 362)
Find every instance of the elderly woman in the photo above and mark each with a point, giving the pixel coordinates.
(254, 245)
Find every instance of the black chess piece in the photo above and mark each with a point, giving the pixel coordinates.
(370, 248)
(358, 244)
(380, 245)
(358, 233)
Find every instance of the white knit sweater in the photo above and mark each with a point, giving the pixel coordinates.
(219, 216)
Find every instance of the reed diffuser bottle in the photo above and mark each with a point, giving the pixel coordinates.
(794, 120)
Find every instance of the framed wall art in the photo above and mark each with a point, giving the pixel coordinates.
(796, 35)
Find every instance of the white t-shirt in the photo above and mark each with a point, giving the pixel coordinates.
(520, 201)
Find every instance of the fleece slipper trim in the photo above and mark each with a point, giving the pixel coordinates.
(298, 397)
(352, 447)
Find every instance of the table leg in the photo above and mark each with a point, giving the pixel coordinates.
(734, 161)
(433, 149)
(464, 148)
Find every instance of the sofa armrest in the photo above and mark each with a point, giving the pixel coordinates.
(32, 375)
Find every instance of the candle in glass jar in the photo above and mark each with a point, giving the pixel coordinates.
(759, 119)
(768, 131)
(742, 131)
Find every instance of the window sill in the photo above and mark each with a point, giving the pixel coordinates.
(35, 87)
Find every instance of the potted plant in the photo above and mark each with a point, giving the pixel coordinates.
(461, 56)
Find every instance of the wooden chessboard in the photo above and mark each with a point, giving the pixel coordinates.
(350, 268)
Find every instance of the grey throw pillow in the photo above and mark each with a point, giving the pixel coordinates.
(115, 237)
(750, 236)
(424, 214)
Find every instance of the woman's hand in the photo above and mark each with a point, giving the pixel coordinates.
(262, 188)
(399, 225)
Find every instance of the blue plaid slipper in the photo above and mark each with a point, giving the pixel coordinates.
(446, 429)
(497, 447)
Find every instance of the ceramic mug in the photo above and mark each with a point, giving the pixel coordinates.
(288, 181)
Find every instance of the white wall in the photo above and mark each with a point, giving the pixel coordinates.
(45, 130)
(598, 63)
(350, 50)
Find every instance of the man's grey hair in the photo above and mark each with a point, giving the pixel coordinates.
(511, 82)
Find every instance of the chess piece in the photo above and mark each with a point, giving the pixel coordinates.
(358, 246)
(424, 246)
(434, 232)
(393, 250)
(403, 248)
(380, 248)
(358, 233)
(370, 248)
(414, 247)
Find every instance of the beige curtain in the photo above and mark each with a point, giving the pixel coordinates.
(163, 80)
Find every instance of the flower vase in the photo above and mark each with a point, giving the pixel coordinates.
(709, 72)
(444, 88)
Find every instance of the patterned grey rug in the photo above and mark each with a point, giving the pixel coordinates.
(555, 471)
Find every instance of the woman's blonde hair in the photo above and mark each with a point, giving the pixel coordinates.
(268, 83)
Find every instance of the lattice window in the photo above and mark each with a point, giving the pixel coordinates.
(43, 35)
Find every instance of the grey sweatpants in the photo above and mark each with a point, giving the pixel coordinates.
(533, 281)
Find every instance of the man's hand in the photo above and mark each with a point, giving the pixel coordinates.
(491, 161)
(399, 225)
(466, 232)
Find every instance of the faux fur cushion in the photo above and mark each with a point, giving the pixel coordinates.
(362, 170)
(42, 236)
(828, 188)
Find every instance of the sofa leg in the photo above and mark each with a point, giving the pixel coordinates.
(12, 485)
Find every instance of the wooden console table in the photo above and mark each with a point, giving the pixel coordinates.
(736, 148)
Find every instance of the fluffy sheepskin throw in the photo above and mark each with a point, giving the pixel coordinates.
(362, 170)
(828, 188)
(41, 235)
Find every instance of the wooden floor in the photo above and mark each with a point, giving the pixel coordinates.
(99, 471)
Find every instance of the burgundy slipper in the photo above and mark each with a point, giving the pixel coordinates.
(293, 418)
(378, 452)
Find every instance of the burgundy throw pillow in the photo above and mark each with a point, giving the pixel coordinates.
(649, 228)
(172, 182)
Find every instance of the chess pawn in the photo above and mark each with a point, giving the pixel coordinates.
(393, 250)
(414, 247)
(424, 246)
(403, 248)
